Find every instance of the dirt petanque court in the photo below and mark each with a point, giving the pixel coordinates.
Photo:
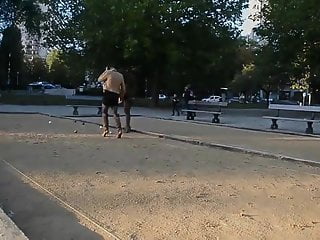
(59, 179)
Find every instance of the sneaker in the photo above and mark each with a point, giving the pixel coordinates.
(119, 135)
(127, 129)
(106, 133)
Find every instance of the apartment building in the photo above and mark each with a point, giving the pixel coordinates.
(33, 45)
(253, 17)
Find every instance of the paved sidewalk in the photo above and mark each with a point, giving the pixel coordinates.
(8, 230)
(240, 118)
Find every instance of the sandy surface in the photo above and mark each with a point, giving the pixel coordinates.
(148, 188)
(303, 147)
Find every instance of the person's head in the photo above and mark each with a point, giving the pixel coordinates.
(110, 68)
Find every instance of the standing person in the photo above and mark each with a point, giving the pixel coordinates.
(128, 97)
(113, 90)
(175, 104)
(127, 104)
(187, 96)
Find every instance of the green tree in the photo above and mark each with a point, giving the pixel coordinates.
(290, 28)
(180, 41)
(13, 15)
(34, 70)
(58, 73)
(11, 56)
(245, 82)
(20, 12)
(65, 68)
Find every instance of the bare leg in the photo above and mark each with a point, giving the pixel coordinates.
(117, 120)
(127, 111)
(105, 120)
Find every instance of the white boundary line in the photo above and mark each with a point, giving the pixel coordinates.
(61, 201)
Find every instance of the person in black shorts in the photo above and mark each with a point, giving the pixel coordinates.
(113, 91)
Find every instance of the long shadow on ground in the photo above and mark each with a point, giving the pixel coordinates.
(38, 216)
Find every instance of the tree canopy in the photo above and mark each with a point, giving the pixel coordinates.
(20, 12)
(291, 29)
(170, 43)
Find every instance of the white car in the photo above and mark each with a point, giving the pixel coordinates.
(212, 99)
(162, 97)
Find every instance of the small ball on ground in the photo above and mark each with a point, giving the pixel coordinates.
(75, 131)
(50, 122)
(83, 124)
(101, 127)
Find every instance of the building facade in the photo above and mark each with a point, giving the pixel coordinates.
(254, 17)
(33, 45)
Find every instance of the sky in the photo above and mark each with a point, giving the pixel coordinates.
(248, 24)
(246, 27)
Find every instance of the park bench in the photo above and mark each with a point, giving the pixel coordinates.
(76, 107)
(213, 108)
(281, 107)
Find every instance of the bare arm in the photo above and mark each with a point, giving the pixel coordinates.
(103, 76)
(123, 89)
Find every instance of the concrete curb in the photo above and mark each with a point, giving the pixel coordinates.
(208, 144)
(235, 127)
(68, 116)
(8, 230)
(17, 113)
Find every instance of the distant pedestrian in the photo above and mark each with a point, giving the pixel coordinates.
(187, 96)
(113, 91)
(175, 105)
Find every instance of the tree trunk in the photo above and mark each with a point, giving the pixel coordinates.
(267, 96)
(155, 94)
(155, 89)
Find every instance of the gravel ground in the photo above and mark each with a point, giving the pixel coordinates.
(141, 187)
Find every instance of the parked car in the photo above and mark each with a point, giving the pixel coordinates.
(212, 99)
(270, 100)
(41, 85)
(234, 100)
(162, 97)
